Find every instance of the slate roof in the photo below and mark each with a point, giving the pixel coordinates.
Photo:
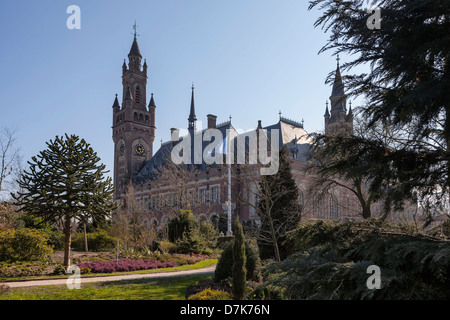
(291, 134)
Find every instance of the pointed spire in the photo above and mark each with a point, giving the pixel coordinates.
(116, 103)
(152, 102)
(327, 113)
(350, 111)
(134, 51)
(192, 118)
(338, 86)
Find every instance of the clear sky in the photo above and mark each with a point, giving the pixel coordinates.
(248, 59)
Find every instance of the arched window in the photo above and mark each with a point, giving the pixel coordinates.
(138, 95)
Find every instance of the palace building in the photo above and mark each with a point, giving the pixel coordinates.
(209, 190)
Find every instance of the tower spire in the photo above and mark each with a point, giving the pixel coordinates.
(192, 118)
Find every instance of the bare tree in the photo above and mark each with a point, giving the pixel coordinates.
(10, 158)
(128, 223)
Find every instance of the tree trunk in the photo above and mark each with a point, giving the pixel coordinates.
(68, 241)
(86, 249)
(274, 241)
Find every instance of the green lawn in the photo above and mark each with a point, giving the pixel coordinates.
(172, 288)
(142, 289)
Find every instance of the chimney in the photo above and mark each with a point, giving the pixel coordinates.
(174, 134)
(211, 121)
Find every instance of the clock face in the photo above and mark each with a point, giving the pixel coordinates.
(122, 149)
(139, 149)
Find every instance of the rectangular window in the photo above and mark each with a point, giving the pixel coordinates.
(203, 196)
(215, 195)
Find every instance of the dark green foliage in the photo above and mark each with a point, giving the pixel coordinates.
(65, 182)
(333, 258)
(239, 271)
(191, 236)
(253, 262)
(278, 209)
(405, 87)
(179, 225)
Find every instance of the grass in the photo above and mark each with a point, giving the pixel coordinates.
(173, 288)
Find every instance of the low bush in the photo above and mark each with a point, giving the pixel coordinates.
(253, 263)
(223, 286)
(124, 265)
(24, 245)
(167, 246)
(209, 294)
(20, 270)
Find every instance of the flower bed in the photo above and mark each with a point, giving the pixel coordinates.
(124, 265)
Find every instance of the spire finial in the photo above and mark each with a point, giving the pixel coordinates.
(338, 59)
(279, 113)
(135, 29)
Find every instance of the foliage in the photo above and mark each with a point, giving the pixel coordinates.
(128, 224)
(97, 241)
(24, 245)
(65, 182)
(238, 270)
(21, 269)
(278, 209)
(332, 262)
(209, 294)
(191, 236)
(405, 88)
(223, 286)
(167, 246)
(124, 265)
(253, 262)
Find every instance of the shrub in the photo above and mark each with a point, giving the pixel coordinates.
(97, 241)
(239, 270)
(334, 257)
(20, 270)
(209, 294)
(253, 264)
(24, 245)
(124, 265)
(167, 246)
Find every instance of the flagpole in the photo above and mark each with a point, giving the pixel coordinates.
(229, 231)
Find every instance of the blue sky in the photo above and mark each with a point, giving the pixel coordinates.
(248, 59)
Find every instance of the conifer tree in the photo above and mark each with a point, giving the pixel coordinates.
(239, 270)
(65, 182)
(278, 209)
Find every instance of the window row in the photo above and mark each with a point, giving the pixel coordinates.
(191, 198)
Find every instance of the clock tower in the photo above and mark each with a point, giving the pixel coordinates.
(133, 121)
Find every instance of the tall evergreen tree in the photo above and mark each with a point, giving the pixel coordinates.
(278, 209)
(239, 270)
(406, 86)
(65, 182)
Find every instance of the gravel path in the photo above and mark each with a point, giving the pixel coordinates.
(31, 283)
